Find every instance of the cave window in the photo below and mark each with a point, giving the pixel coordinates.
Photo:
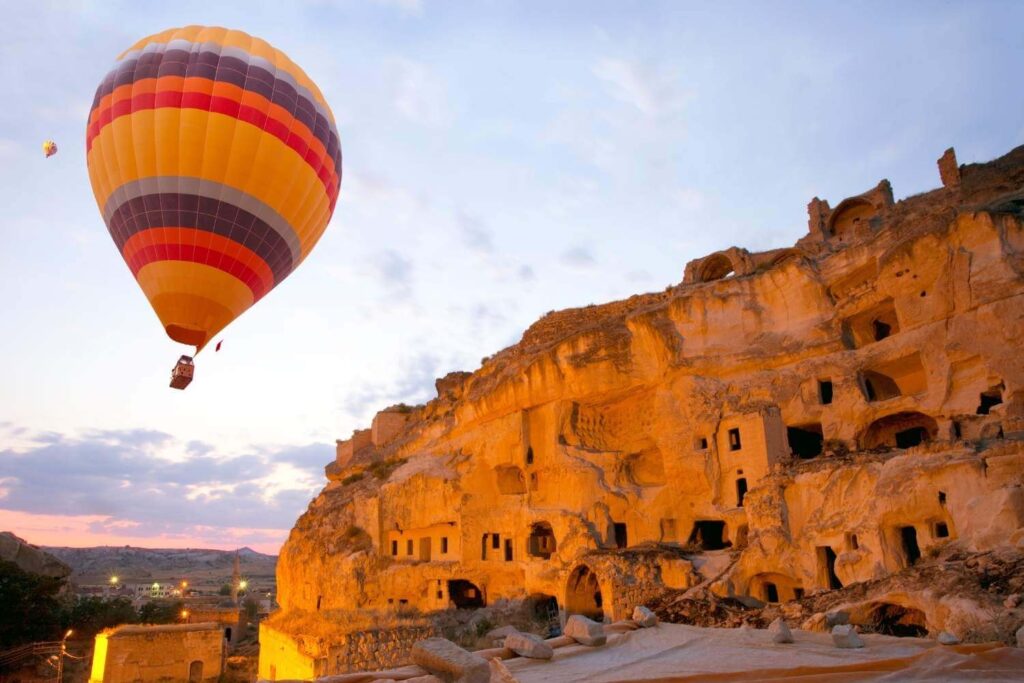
(708, 534)
(908, 438)
(440, 595)
(741, 491)
(798, 593)
(911, 550)
(403, 601)
(408, 547)
(771, 592)
(880, 330)
(319, 599)
(620, 535)
(508, 549)
(941, 530)
(444, 545)
(989, 399)
(495, 541)
(483, 547)
(942, 497)
(394, 548)
(464, 594)
(827, 568)
(734, 439)
(700, 443)
(805, 441)
(825, 391)
(958, 432)
(851, 542)
(542, 540)
(534, 481)
(529, 455)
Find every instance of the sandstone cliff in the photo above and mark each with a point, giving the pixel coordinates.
(778, 425)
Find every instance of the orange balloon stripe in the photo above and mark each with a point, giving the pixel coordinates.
(191, 99)
(131, 97)
(155, 237)
(186, 252)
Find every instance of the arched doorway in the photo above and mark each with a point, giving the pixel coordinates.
(583, 594)
(465, 594)
(195, 671)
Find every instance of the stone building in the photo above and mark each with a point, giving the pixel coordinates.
(177, 652)
(778, 424)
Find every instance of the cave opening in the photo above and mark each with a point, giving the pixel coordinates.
(896, 620)
(465, 594)
(708, 534)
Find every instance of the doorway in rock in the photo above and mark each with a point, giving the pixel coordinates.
(896, 620)
(583, 594)
(708, 534)
(741, 491)
(827, 568)
(544, 609)
(465, 594)
(227, 634)
(621, 539)
(911, 550)
(195, 671)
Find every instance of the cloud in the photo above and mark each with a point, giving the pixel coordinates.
(577, 257)
(414, 7)
(138, 480)
(394, 271)
(474, 235)
(653, 94)
(415, 385)
(419, 94)
(526, 273)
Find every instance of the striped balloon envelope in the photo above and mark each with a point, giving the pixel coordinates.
(216, 165)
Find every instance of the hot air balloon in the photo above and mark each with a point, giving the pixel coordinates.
(49, 148)
(216, 166)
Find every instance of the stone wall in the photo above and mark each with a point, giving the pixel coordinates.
(179, 652)
(284, 656)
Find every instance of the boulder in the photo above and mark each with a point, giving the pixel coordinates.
(449, 661)
(947, 638)
(837, 618)
(585, 631)
(1020, 637)
(644, 617)
(500, 672)
(497, 636)
(529, 645)
(780, 631)
(845, 636)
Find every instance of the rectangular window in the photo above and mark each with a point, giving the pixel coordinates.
(444, 545)
(408, 547)
(394, 547)
(495, 541)
(941, 530)
(734, 439)
(508, 549)
(700, 443)
(825, 391)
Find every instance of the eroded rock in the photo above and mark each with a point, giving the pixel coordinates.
(445, 659)
(585, 631)
(644, 617)
(846, 636)
(529, 645)
(780, 632)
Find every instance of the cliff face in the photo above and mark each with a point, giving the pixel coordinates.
(777, 425)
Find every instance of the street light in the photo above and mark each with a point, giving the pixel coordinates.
(184, 615)
(114, 580)
(63, 652)
(243, 584)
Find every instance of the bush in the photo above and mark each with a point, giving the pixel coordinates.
(29, 608)
(90, 615)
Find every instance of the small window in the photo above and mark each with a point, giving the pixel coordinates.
(989, 400)
(941, 530)
(394, 547)
(319, 599)
(495, 541)
(534, 481)
(440, 595)
(734, 439)
(700, 443)
(942, 497)
(825, 391)
(771, 592)
(408, 547)
(880, 330)
(851, 542)
(621, 540)
(529, 455)
(508, 549)
(444, 545)
(798, 593)
(403, 601)
(741, 491)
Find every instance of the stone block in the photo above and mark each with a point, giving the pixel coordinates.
(780, 631)
(529, 645)
(585, 631)
(644, 617)
(1020, 637)
(447, 660)
(846, 636)
(500, 672)
(947, 638)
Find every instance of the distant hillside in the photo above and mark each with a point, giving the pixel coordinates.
(97, 564)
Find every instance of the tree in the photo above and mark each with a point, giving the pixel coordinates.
(252, 607)
(224, 590)
(161, 611)
(90, 615)
(29, 606)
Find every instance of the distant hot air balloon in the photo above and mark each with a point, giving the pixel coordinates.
(49, 148)
(216, 165)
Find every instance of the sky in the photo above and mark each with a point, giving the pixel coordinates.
(501, 160)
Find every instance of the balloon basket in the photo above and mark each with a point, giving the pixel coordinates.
(181, 375)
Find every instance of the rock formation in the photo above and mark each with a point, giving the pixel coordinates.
(778, 425)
